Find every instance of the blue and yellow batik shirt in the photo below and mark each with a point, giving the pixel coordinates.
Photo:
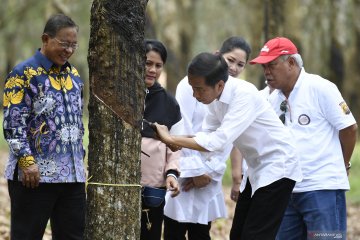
(43, 120)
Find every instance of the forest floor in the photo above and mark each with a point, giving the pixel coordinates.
(219, 231)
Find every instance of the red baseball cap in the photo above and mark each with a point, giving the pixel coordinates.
(273, 49)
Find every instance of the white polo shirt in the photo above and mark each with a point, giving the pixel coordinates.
(244, 117)
(317, 113)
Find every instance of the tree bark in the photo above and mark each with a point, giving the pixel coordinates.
(116, 72)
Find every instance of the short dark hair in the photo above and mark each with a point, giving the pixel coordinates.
(57, 22)
(210, 66)
(235, 42)
(156, 46)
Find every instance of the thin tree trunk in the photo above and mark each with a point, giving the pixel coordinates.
(116, 69)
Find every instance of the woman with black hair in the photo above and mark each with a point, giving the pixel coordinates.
(159, 165)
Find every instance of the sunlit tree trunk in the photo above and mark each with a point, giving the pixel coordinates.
(326, 33)
(116, 71)
(172, 22)
(11, 14)
(345, 60)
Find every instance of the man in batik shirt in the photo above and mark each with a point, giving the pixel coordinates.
(43, 127)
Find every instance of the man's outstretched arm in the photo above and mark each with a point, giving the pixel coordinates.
(180, 141)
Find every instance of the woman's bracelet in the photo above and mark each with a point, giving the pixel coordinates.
(172, 175)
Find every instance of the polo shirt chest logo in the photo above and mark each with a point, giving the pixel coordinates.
(304, 119)
(344, 108)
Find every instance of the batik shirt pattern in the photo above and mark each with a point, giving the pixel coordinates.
(43, 119)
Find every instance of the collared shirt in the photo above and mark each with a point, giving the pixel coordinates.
(192, 112)
(194, 163)
(198, 205)
(242, 116)
(316, 112)
(43, 118)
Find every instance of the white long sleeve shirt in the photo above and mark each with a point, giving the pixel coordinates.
(243, 117)
(205, 204)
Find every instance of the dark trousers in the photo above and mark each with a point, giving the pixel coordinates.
(151, 221)
(259, 216)
(174, 230)
(62, 203)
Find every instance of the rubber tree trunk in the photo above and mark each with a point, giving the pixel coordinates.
(116, 71)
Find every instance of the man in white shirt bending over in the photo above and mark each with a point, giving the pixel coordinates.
(238, 114)
(201, 200)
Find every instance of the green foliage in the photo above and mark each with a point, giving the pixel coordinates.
(352, 196)
(227, 176)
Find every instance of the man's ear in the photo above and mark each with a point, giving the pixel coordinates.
(45, 38)
(292, 62)
(217, 52)
(221, 85)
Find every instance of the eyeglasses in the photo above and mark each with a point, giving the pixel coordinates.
(67, 45)
(285, 107)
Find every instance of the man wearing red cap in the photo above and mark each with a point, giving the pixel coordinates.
(325, 133)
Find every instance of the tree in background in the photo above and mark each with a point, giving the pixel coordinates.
(21, 26)
(327, 33)
(116, 71)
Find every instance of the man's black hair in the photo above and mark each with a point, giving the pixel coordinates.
(57, 22)
(210, 66)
